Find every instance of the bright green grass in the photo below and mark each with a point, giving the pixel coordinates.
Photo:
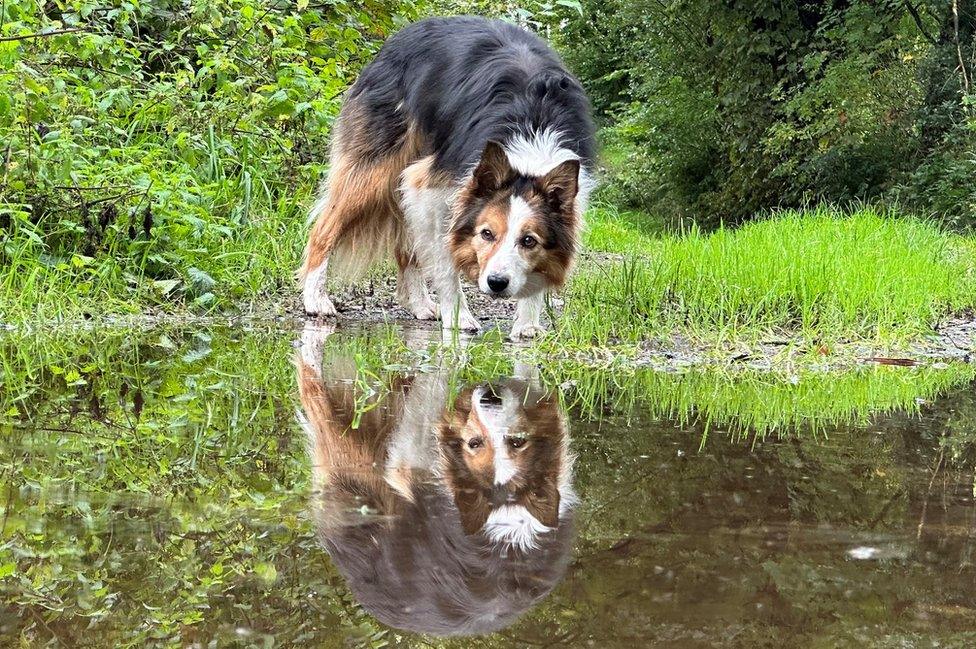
(611, 230)
(819, 273)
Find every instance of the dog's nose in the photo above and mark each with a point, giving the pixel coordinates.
(489, 398)
(497, 283)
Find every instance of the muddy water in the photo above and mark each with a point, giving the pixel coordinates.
(230, 487)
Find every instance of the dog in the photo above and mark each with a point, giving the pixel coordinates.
(448, 516)
(467, 149)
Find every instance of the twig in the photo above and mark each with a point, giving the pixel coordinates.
(913, 10)
(962, 62)
(6, 163)
(92, 188)
(24, 37)
(928, 492)
(107, 199)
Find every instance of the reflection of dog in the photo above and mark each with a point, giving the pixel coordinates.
(442, 521)
(464, 147)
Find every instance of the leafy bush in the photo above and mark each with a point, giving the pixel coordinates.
(717, 111)
(168, 147)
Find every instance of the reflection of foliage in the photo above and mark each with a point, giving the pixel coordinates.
(156, 489)
(160, 492)
(747, 545)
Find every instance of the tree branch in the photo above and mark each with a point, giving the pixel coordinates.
(962, 62)
(913, 10)
(24, 37)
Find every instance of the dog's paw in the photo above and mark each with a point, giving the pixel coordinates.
(320, 306)
(525, 332)
(312, 343)
(465, 322)
(425, 310)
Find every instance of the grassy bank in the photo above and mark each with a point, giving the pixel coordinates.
(820, 273)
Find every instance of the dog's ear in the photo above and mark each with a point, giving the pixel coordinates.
(559, 186)
(474, 508)
(492, 171)
(543, 503)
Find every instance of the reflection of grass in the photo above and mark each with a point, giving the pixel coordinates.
(143, 464)
(152, 464)
(755, 402)
(742, 401)
(822, 273)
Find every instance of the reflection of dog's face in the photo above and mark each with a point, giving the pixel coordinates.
(505, 455)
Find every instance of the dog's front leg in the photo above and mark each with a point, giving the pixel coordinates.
(528, 317)
(413, 445)
(455, 313)
(426, 213)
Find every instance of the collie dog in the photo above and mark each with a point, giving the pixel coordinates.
(464, 148)
(445, 515)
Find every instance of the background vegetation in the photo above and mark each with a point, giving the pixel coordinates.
(162, 153)
(719, 110)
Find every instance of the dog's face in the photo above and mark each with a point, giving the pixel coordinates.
(512, 234)
(505, 456)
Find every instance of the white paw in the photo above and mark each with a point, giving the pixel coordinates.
(526, 331)
(464, 322)
(424, 309)
(319, 305)
(467, 322)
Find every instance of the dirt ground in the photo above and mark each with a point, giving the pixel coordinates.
(372, 302)
(953, 340)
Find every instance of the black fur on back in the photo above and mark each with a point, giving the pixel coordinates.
(463, 81)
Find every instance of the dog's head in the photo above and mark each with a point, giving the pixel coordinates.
(506, 461)
(513, 233)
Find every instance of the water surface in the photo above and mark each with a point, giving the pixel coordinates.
(265, 487)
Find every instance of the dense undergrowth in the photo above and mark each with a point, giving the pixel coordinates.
(160, 156)
(162, 152)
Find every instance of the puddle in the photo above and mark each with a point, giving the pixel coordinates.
(231, 487)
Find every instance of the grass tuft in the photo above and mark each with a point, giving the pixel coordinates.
(821, 273)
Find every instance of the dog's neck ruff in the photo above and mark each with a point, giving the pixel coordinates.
(514, 526)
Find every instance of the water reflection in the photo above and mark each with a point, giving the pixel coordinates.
(155, 491)
(448, 513)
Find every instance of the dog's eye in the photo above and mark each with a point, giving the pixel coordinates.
(487, 235)
(528, 242)
(475, 442)
(516, 442)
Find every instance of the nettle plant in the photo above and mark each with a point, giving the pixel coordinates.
(141, 138)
